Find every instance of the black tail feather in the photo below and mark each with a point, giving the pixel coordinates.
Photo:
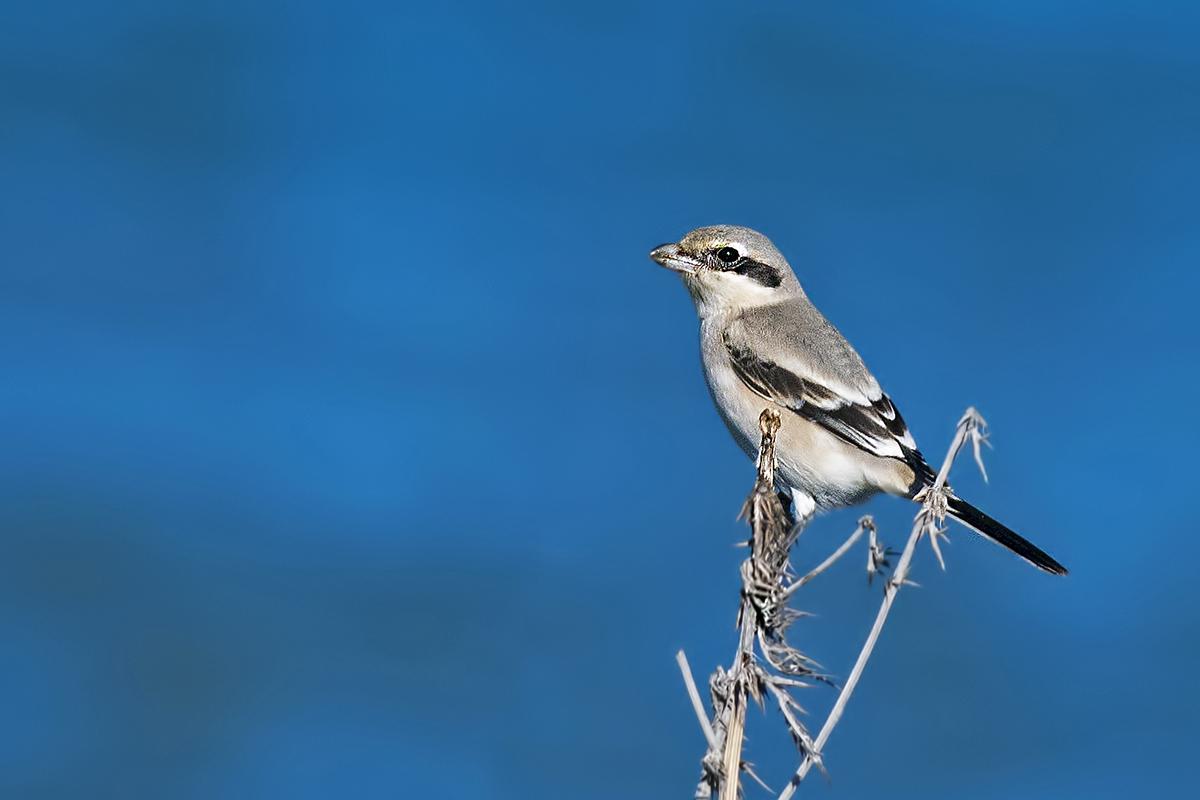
(989, 528)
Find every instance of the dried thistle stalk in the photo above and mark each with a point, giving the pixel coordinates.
(764, 618)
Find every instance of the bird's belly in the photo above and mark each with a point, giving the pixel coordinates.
(811, 459)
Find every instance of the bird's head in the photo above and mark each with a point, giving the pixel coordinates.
(727, 268)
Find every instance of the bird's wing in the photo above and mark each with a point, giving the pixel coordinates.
(795, 358)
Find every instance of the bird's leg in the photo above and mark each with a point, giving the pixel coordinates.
(785, 500)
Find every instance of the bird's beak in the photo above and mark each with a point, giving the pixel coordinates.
(669, 256)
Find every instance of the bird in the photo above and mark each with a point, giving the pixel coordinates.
(763, 344)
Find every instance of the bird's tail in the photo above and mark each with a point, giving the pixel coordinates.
(989, 528)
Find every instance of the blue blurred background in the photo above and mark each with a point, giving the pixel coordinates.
(350, 446)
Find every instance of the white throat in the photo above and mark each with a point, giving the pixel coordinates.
(718, 292)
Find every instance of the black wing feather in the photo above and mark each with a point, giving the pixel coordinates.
(864, 426)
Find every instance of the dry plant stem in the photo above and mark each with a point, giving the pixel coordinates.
(844, 697)
(739, 674)
(763, 616)
(735, 731)
(697, 704)
(933, 507)
(863, 524)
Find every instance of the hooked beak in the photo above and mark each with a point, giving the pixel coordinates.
(669, 256)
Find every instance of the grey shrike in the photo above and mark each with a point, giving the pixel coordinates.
(763, 343)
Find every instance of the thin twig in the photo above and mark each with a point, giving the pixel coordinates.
(863, 525)
(697, 705)
(932, 511)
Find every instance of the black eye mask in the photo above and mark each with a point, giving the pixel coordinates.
(757, 271)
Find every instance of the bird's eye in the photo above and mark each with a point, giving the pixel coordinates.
(728, 255)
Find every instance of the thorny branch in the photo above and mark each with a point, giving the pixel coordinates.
(763, 617)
